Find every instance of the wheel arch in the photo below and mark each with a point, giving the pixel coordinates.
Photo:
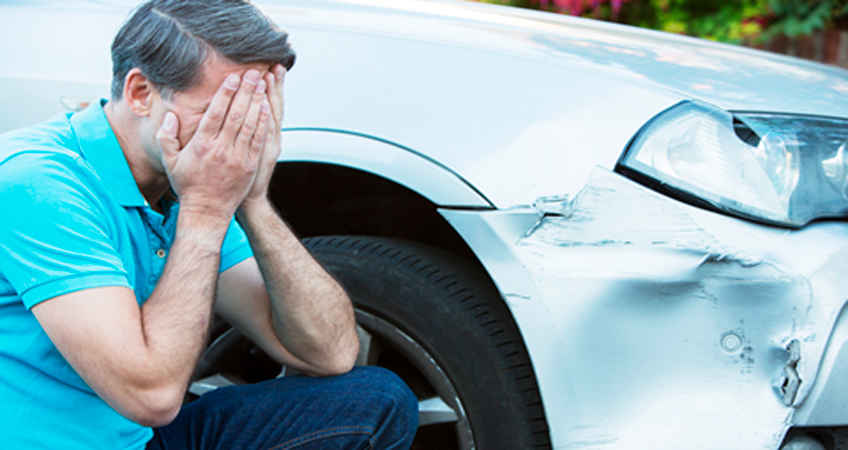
(334, 182)
(383, 158)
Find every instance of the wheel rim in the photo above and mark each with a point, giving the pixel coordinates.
(443, 422)
(376, 336)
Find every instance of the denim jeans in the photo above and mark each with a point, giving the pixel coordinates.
(368, 408)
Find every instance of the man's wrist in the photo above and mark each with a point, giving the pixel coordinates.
(206, 230)
(262, 222)
(252, 207)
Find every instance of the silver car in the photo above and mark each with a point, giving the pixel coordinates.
(561, 233)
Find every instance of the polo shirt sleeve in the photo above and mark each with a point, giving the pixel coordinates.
(236, 247)
(56, 235)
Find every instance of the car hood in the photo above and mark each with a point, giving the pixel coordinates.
(521, 104)
(730, 77)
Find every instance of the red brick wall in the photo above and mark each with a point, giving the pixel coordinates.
(830, 47)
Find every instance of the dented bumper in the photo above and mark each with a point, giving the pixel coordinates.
(655, 324)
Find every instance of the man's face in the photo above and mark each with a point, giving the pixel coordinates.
(190, 105)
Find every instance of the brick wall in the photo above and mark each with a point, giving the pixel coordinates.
(829, 47)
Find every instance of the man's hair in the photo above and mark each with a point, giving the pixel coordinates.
(169, 40)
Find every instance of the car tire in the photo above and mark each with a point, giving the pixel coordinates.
(437, 321)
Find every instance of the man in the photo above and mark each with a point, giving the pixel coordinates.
(119, 240)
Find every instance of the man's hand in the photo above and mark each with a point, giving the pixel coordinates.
(273, 145)
(217, 168)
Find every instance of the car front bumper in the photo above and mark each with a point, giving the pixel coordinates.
(655, 324)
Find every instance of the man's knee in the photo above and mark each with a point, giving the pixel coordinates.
(390, 392)
(390, 399)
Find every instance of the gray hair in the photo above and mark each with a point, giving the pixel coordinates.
(169, 41)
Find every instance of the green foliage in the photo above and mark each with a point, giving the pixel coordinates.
(795, 18)
(722, 20)
(735, 21)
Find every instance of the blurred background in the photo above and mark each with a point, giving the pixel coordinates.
(810, 29)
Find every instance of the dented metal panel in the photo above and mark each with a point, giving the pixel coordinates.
(827, 402)
(671, 326)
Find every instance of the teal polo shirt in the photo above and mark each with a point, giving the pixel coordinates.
(73, 218)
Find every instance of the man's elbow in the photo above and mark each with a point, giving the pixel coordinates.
(340, 366)
(155, 407)
(340, 361)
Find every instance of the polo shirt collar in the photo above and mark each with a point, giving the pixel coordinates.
(101, 150)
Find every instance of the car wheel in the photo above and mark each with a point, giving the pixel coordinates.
(434, 320)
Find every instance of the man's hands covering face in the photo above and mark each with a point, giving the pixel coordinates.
(231, 156)
(273, 145)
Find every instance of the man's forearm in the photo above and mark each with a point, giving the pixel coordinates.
(176, 317)
(311, 314)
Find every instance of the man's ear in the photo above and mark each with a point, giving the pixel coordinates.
(139, 92)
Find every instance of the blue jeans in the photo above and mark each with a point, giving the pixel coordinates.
(368, 408)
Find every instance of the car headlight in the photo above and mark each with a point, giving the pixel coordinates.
(773, 168)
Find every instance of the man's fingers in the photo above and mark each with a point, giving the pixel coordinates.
(167, 135)
(249, 127)
(240, 106)
(212, 120)
(275, 92)
(257, 145)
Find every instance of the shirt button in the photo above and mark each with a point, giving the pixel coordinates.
(160, 253)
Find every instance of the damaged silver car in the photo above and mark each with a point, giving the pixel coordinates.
(561, 233)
